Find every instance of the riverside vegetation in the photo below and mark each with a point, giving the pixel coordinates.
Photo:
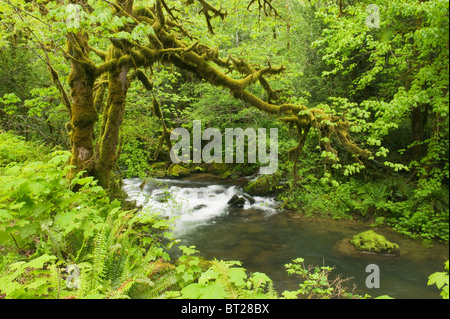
(91, 90)
(46, 227)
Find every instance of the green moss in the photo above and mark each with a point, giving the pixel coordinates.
(158, 170)
(225, 175)
(372, 242)
(219, 169)
(266, 185)
(176, 170)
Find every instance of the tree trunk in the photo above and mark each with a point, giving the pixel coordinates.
(418, 117)
(113, 113)
(83, 113)
(107, 147)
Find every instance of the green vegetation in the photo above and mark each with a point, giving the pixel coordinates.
(440, 279)
(60, 244)
(90, 92)
(370, 241)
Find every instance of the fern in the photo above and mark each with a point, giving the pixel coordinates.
(115, 269)
(85, 279)
(100, 255)
(120, 268)
(154, 280)
(154, 289)
(225, 273)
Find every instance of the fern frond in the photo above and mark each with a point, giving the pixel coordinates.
(154, 289)
(158, 278)
(55, 279)
(86, 279)
(164, 283)
(159, 267)
(100, 255)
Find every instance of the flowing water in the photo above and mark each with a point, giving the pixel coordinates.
(264, 239)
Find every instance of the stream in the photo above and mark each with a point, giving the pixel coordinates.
(264, 239)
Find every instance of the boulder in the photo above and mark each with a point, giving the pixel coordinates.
(265, 185)
(161, 197)
(176, 170)
(217, 169)
(158, 170)
(249, 198)
(370, 241)
(198, 207)
(237, 201)
(343, 247)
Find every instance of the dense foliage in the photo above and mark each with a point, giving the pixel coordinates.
(57, 243)
(362, 114)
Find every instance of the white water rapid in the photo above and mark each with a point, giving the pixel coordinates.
(192, 202)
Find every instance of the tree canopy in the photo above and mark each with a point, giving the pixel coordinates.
(111, 44)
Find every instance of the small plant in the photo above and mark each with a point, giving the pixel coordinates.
(440, 279)
(317, 284)
(219, 279)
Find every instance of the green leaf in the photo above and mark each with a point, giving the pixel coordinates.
(207, 276)
(384, 297)
(5, 215)
(94, 296)
(40, 261)
(237, 276)
(259, 278)
(187, 277)
(193, 291)
(213, 292)
(290, 294)
(438, 278)
(38, 188)
(60, 158)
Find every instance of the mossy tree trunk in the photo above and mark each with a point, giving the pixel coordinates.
(113, 114)
(83, 115)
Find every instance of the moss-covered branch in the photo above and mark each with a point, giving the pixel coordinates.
(264, 5)
(299, 115)
(210, 12)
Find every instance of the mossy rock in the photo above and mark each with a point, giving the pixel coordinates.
(370, 241)
(265, 185)
(159, 166)
(225, 175)
(237, 201)
(222, 170)
(176, 170)
(218, 168)
(159, 170)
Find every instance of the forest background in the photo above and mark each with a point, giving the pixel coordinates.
(362, 114)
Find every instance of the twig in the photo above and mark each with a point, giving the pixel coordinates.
(17, 245)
